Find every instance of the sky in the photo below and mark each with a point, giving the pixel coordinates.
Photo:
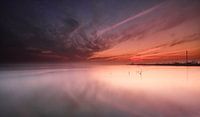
(141, 31)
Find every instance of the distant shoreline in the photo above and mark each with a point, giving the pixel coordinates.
(178, 64)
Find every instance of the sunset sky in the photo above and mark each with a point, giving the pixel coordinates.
(141, 31)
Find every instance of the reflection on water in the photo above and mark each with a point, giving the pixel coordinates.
(115, 90)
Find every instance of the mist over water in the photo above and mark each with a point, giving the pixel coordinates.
(99, 90)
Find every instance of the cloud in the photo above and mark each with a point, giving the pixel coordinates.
(187, 39)
(61, 27)
(156, 52)
(129, 19)
(161, 17)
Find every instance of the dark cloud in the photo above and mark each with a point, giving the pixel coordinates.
(187, 39)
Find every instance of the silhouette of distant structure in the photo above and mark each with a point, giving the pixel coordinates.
(186, 57)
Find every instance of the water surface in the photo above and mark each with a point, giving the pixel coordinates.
(99, 90)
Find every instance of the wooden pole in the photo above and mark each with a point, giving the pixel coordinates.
(186, 57)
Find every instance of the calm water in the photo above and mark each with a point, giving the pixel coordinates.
(99, 90)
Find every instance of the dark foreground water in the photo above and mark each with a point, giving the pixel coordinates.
(99, 90)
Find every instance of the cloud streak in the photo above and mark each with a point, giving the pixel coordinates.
(101, 32)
